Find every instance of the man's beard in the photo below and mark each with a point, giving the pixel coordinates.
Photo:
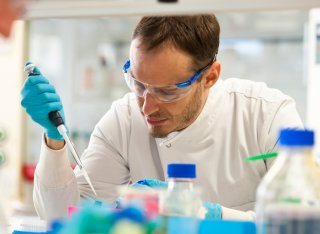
(179, 121)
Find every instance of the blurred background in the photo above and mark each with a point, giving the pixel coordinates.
(83, 58)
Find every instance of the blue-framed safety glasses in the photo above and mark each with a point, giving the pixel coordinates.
(166, 93)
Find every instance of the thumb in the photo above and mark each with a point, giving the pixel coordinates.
(31, 69)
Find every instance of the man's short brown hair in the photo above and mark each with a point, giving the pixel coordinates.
(196, 35)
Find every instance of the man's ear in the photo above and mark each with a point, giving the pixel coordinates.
(212, 74)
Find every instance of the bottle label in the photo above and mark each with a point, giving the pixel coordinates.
(292, 220)
(180, 202)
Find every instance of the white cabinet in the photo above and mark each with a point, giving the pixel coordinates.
(313, 66)
(11, 118)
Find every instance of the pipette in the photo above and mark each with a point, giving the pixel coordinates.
(262, 156)
(57, 121)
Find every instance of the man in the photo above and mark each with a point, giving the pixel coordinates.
(9, 12)
(179, 111)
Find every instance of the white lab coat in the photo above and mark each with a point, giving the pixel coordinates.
(241, 118)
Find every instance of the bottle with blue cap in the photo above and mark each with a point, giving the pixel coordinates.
(288, 198)
(181, 198)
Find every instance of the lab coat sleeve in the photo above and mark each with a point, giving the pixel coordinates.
(276, 112)
(232, 214)
(279, 114)
(55, 186)
(105, 158)
(282, 114)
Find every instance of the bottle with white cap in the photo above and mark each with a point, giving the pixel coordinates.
(181, 199)
(288, 196)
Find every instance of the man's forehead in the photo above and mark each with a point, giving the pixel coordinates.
(164, 57)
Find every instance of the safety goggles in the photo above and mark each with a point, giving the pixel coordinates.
(165, 93)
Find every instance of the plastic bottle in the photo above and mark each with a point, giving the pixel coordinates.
(181, 199)
(288, 196)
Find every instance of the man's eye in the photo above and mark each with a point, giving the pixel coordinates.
(167, 91)
(139, 85)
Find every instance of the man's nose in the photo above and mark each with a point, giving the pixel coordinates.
(150, 104)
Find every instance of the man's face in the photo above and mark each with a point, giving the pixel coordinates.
(9, 11)
(164, 66)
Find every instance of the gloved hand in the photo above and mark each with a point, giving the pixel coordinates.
(213, 210)
(208, 210)
(39, 98)
(150, 183)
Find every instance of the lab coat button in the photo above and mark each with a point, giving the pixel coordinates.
(168, 145)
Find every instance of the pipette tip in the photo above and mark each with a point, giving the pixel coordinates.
(89, 181)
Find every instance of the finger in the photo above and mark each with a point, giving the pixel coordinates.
(37, 90)
(140, 186)
(42, 88)
(155, 183)
(39, 99)
(35, 69)
(44, 109)
(33, 80)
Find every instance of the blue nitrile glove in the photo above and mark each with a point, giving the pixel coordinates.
(150, 183)
(39, 98)
(214, 210)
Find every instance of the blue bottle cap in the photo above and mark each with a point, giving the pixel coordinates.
(296, 137)
(177, 170)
